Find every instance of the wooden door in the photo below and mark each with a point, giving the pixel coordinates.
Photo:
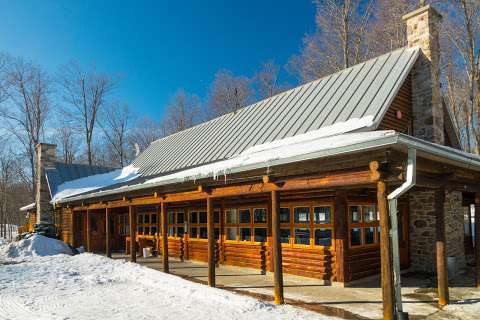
(403, 235)
(79, 235)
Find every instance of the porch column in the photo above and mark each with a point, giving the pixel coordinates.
(340, 229)
(107, 233)
(88, 230)
(211, 244)
(477, 240)
(385, 252)
(164, 217)
(442, 276)
(277, 249)
(133, 237)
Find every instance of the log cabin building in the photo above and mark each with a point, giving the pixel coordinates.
(307, 182)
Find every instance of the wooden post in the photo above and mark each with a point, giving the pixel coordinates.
(477, 240)
(277, 249)
(163, 211)
(442, 275)
(340, 229)
(211, 244)
(107, 233)
(133, 237)
(88, 230)
(385, 252)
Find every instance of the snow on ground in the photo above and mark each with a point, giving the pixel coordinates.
(35, 245)
(88, 286)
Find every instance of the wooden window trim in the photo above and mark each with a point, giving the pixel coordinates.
(363, 225)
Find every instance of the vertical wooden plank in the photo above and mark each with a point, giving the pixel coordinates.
(477, 239)
(277, 248)
(133, 237)
(211, 243)
(163, 210)
(159, 229)
(107, 233)
(340, 229)
(221, 255)
(269, 245)
(442, 275)
(385, 252)
(88, 230)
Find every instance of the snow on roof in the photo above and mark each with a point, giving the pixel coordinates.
(95, 182)
(28, 207)
(338, 135)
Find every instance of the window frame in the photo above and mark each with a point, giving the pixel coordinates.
(362, 225)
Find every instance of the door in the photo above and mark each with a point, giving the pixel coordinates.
(403, 235)
(79, 237)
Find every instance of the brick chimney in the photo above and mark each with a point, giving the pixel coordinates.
(46, 156)
(422, 30)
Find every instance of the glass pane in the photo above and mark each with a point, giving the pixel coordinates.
(153, 230)
(369, 213)
(284, 215)
(216, 217)
(231, 233)
(171, 231)
(260, 234)
(203, 233)
(260, 215)
(245, 234)
(355, 214)
(154, 218)
(140, 230)
(378, 234)
(355, 237)
(140, 218)
(244, 215)
(180, 217)
(146, 230)
(323, 237)
(193, 232)
(301, 214)
(231, 216)
(302, 236)
(321, 214)
(216, 233)
(369, 235)
(202, 217)
(171, 217)
(146, 218)
(193, 217)
(180, 232)
(285, 235)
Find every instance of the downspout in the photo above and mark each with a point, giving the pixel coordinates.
(392, 204)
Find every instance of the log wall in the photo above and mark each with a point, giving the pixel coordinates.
(399, 115)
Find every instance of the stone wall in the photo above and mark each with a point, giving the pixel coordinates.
(423, 228)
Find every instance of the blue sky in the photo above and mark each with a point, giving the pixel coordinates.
(156, 46)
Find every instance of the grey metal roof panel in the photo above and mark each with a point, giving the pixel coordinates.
(366, 89)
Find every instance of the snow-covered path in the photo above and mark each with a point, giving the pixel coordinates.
(88, 286)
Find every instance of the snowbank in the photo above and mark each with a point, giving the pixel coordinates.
(35, 245)
(71, 287)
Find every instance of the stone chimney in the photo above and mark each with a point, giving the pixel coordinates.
(46, 156)
(422, 30)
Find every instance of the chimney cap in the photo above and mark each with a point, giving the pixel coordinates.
(46, 144)
(420, 11)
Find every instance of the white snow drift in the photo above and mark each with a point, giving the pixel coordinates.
(33, 246)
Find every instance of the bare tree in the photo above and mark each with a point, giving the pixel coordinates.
(26, 108)
(65, 138)
(266, 79)
(182, 112)
(116, 122)
(339, 40)
(85, 92)
(228, 93)
(145, 132)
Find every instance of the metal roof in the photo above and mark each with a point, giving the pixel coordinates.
(366, 89)
(63, 172)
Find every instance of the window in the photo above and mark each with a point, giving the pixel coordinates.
(321, 215)
(203, 233)
(260, 234)
(194, 217)
(123, 225)
(146, 218)
(176, 224)
(193, 232)
(198, 224)
(147, 223)
(154, 218)
(301, 214)
(363, 225)
(285, 235)
(260, 215)
(284, 215)
(244, 215)
(245, 234)
(216, 217)
(302, 236)
(202, 217)
(323, 237)
(231, 234)
(231, 216)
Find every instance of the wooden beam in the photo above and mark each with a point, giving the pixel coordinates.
(107, 233)
(133, 238)
(340, 228)
(164, 217)
(477, 240)
(211, 243)
(442, 275)
(277, 249)
(385, 252)
(88, 230)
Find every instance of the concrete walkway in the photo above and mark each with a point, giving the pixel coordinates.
(362, 300)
